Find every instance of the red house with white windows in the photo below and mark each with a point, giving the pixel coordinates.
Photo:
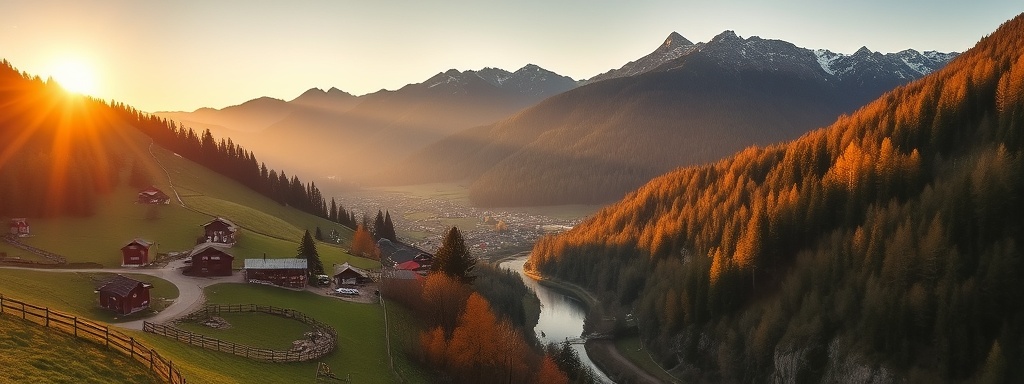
(135, 253)
(124, 295)
(219, 231)
(209, 260)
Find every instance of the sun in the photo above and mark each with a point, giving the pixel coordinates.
(75, 76)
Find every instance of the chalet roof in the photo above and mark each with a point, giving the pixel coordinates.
(226, 222)
(410, 265)
(202, 247)
(276, 263)
(402, 274)
(143, 243)
(339, 268)
(398, 252)
(121, 285)
(152, 191)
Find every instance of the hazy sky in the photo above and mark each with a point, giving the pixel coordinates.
(181, 55)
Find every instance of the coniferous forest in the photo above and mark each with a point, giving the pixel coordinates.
(42, 125)
(887, 245)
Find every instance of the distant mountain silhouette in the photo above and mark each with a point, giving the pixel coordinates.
(683, 104)
(356, 137)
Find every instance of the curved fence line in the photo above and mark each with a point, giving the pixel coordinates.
(261, 354)
(94, 332)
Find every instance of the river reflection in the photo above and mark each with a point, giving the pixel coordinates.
(561, 316)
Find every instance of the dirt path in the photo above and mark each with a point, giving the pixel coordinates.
(608, 354)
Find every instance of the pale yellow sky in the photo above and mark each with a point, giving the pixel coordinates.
(182, 55)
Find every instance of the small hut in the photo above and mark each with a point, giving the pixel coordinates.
(346, 274)
(152, 195)
(124, 295)
(210, 260)
(220, 231)
(135, 253)
(291, 273)
(19, 227)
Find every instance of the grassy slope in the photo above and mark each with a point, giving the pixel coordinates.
(361, 351)
(268, 228)
(98, 239)
(73, 292)
(33, 354)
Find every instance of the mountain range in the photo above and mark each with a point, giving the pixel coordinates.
(533, 137)
(682, 104)
(355, 137)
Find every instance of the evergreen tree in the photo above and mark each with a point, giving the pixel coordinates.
(378, 226)
(389, 228)
(319, 234)
(453, 258)
(307, 250)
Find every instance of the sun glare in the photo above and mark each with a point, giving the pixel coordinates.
(75, 76)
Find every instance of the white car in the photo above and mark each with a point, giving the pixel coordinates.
(347, 291)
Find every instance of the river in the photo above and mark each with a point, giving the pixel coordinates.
(561, 316)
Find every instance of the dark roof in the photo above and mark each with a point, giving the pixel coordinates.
(153, 191)
(398, 252)
(202, 247)
(276, 263)
(121, 285)
(339, 268)
(143, 243)
(402, 274)
(226, 222)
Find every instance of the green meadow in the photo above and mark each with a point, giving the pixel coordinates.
(35, 354)
(361, 352)
(74, 292)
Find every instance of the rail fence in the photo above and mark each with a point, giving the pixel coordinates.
(319, 349)
(94, 332)
(53, 257)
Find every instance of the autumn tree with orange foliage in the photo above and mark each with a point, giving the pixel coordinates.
(363, 244)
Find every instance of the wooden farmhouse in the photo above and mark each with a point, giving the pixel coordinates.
(291, 273)
(220, 231)
(152, 195)
(346, 274)
(209, 260)
(135, 253)
(395, 253)
(19, 227)
(124, 295)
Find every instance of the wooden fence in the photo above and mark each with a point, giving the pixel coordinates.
(94, 332)
(53, 257)
(247, 351)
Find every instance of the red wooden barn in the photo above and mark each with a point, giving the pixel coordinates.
(152, 195)
(210, 260)
(135, 253)
(290, 273)
(124, 295)
(220, 231)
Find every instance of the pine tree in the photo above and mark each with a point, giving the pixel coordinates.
(307, 250)
(319, 234)
(389, 228)
(378, 226)
(453, 258)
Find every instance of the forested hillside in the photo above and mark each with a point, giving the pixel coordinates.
(885, 246)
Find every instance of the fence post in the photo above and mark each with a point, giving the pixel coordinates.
(47, 311)
(170, 368)
(76, 325)
(151, 352)
(131, 341)
(23, 315)
(106, 336)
